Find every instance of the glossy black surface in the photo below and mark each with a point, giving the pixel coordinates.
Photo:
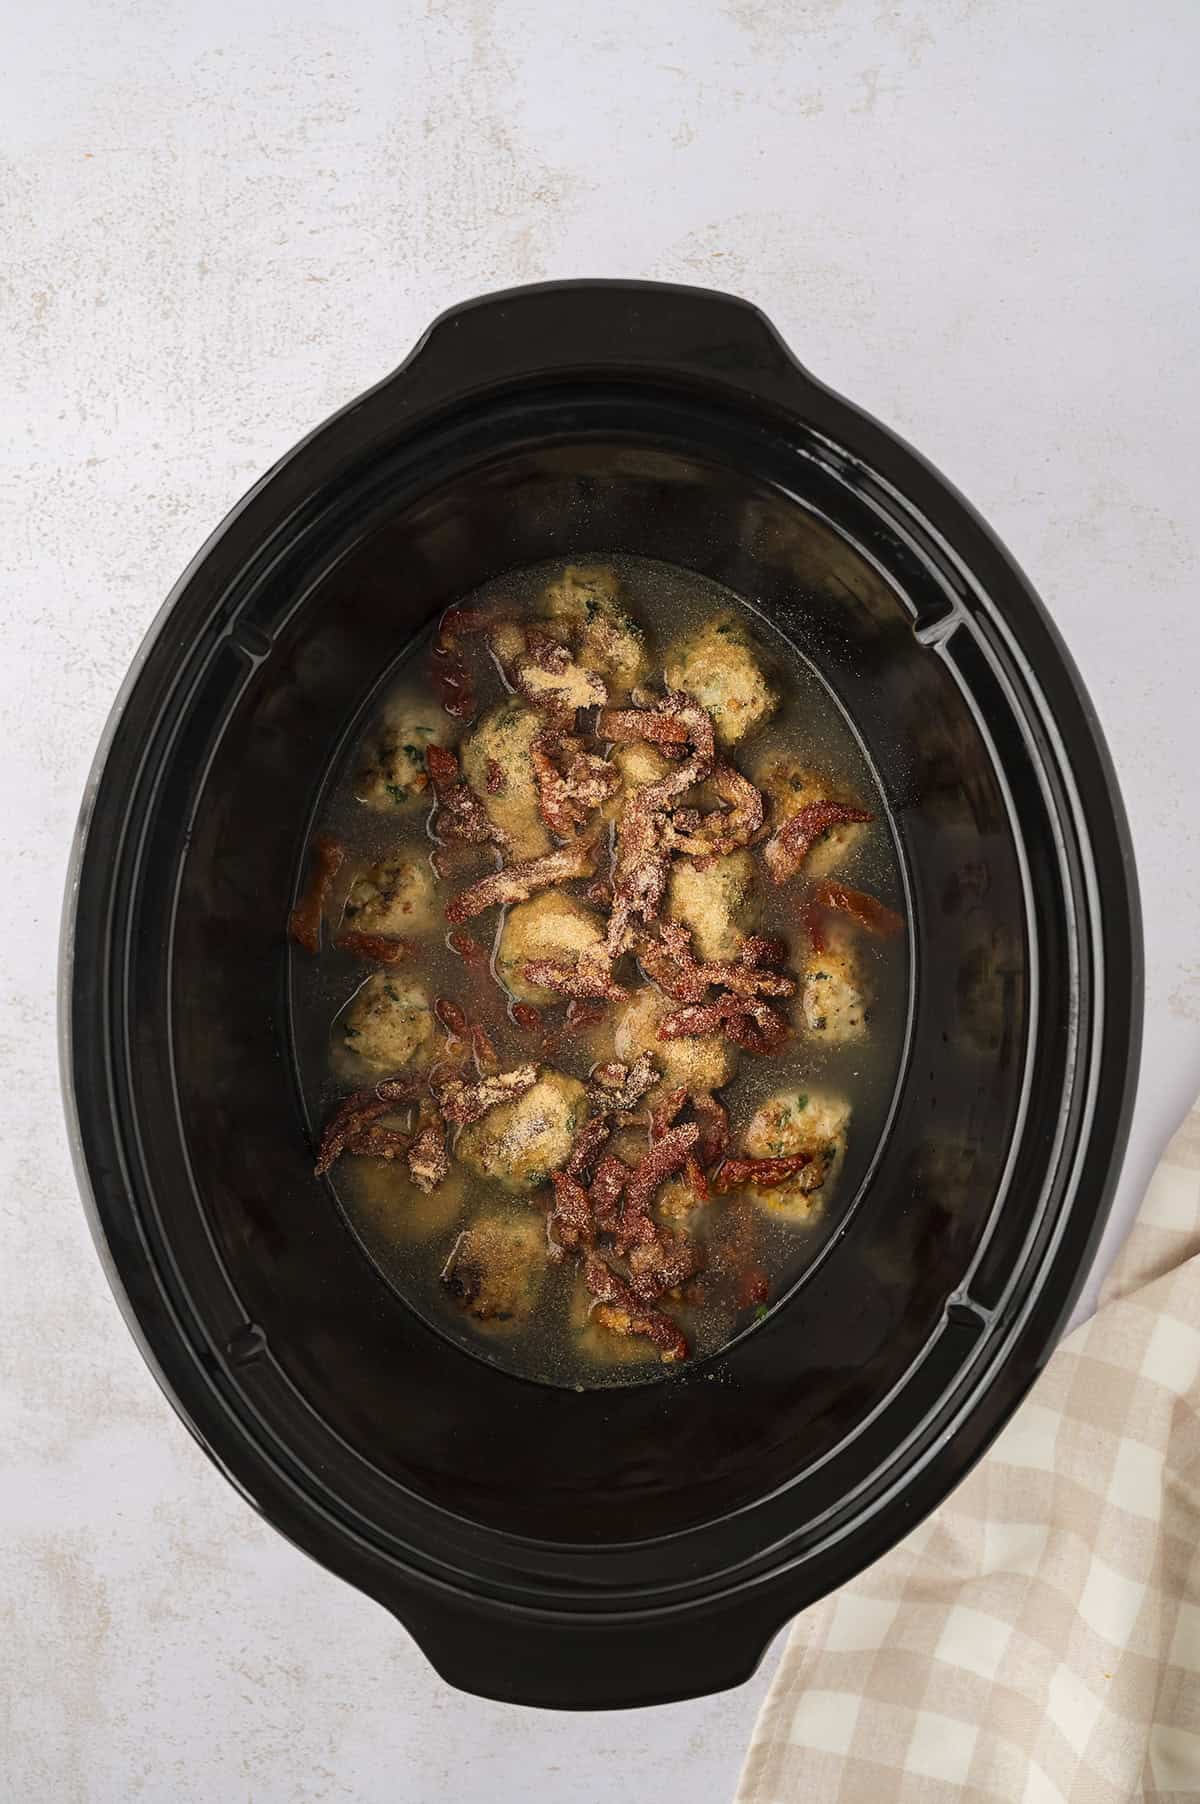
(622, 1546)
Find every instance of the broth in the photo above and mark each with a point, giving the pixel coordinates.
(471, 1254)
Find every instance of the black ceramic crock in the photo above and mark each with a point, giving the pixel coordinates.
(623, 1546)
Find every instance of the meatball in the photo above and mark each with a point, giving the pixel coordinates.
(834, 996)
(581, 590)
(719, 666)
(703, 1064)
(389, 1024)
(720, 901)
(390, 1205)
(789, 786)
(502, 740)
(815, 1121)
(585, 599)
(550, 925)
(393, 774)
(572, 687)
(395, 896)
(507, 641)
(496, 1267)
(518, 1144)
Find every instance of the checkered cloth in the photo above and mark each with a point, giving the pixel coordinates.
(1038, 1639)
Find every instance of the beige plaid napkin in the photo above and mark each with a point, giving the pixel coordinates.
(1038, 1639)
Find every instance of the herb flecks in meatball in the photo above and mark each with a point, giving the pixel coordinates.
(396, 896)
(393, 774)
(719, 665)
(814, 1122)
(503, 740)
(585, 603)
(390, 1024)
(835, 994)
(792, 789)
(720, 900)
(518, 1145)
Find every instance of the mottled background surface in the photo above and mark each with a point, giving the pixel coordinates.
(220, 223)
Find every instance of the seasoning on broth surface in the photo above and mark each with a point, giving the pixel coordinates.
(605, 1008)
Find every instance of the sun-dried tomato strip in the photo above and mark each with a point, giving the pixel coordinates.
(452, 1016)
(674, 971)
(527, 1018)
(757, 951)
(497, 782)
(664, 1159)
(746, 980)
(571, 783)
(723, 831)
(696, 1020)
(673, 965)
(591, 1137)
(867, 911)
(665, 1112)
(642, 868)
(547, 652)
(757, 1028)
(451, 678)
(713, 1119)
(679, 719)
(428, 1161)
(590, 780)
(640, 1318)
(452, 858)
(517, 882)
(326, 858)
(696, 1180)
(748, 1022)
(625, 726)
(606, 1189)
(586, 977)
(375, 948)
(790, 844)
(375, 1141)
(553, 801)
(663, 1264)
(463, 1103)
(616, 1089)
(460, 813)
(645, 835)
(763, 1173)
(350, 1121)
(570, 1223)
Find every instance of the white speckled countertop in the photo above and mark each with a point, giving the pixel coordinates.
(976, 217)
